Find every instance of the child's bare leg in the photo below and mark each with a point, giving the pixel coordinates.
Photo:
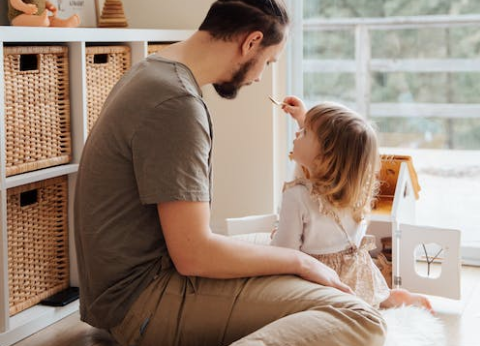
(31, 20)
(71, 22)
(399, 297)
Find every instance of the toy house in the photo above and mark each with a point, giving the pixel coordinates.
(424, 259)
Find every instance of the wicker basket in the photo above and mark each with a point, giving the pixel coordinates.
(155, 47)
(105, 66)
(37, 235)
(37, 108)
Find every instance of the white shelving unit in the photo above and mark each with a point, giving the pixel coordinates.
(31, 320)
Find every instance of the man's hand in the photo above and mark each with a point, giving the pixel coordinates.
(315, 271)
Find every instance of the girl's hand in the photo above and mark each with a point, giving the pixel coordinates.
(51, 7)
(296, 108)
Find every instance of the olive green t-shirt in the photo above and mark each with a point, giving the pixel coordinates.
(152, 143)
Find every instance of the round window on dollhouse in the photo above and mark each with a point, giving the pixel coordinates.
(428, 260)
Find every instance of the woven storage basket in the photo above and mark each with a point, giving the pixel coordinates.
(37, 108)
(105, 66)
(37, 235)
(153, 48)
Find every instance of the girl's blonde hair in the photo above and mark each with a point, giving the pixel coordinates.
(345, 169)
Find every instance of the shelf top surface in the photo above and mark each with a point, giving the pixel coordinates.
(38, 34)
(42, 174)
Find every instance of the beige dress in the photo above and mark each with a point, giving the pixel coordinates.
(331, 236)
(356, 269)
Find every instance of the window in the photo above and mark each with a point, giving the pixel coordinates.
(417, 77)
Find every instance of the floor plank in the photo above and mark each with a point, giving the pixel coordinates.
(70, 331)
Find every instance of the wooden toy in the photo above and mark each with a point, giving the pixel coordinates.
(36, 13)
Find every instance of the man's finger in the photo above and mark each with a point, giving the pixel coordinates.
(342, 287)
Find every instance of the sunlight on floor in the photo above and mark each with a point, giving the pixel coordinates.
(461, 318)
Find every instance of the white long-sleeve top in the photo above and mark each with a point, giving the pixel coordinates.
(303, 227)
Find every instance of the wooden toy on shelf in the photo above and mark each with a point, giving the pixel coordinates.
(35, 13)
(112, 15)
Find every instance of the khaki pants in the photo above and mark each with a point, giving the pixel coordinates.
(268, 310)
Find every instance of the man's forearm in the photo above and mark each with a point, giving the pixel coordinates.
(224, 257)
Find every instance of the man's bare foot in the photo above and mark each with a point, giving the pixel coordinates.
(399, 297)
(31, 20)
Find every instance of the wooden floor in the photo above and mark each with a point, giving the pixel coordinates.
(461, 320)
(69, 331)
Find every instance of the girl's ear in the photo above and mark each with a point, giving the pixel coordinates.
(251, 42)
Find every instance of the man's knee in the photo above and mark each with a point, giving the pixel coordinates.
(364, 323)
(374, 325)
(369, 322)
(360, 323)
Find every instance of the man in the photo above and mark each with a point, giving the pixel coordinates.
(151, 270)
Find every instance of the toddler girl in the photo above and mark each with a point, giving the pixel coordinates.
(324, 209)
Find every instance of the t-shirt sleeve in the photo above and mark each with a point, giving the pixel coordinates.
(290, 227)
(171, 152)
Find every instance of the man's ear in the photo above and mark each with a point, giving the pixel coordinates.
(251, 42)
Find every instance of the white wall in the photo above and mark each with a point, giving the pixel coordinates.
(249, 149)
(243, 152)
(165, 14)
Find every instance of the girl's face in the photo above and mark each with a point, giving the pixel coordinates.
(305, 147)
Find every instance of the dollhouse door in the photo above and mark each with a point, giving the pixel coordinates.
(425, 259)
(428, 260)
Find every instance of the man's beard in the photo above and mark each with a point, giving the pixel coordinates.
(229, 90)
